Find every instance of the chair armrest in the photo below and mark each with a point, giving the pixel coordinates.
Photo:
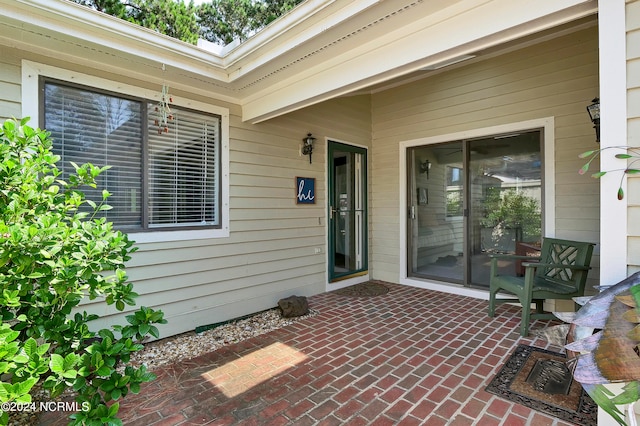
(493, 272)
(555, 265)
(513, 257)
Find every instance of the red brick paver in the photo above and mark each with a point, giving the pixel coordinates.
(409, 357)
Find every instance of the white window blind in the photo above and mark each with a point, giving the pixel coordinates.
(180, 185)
(89, 127)
(183, 165)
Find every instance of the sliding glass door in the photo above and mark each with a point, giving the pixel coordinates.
(469, 199)
(505, 198)
(435, 211)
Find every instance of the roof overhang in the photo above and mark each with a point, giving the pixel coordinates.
(320, 50)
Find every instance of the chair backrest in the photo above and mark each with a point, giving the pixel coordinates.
(565, 252)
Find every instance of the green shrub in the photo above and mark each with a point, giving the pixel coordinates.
(512, 209)
(54, 253)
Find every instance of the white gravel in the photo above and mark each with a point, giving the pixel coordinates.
(190, 345)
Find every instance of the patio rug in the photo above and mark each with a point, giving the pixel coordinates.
(568, 402)
(366, 289)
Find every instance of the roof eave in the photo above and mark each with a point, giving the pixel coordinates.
(320, 50)
(80, 22)
(404, 51)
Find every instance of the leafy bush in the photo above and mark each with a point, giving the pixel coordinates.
(55, 253)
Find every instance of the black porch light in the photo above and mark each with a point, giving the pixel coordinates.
(307, 147)
(594, 114)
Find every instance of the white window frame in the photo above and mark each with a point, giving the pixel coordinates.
(31, 73)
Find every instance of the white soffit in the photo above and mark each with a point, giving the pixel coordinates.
(66, 31)
(461, 29)
(319, 50)
(66, 19)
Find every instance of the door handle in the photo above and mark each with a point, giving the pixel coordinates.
(412, 212)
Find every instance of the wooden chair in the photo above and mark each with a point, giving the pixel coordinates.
(559, 273)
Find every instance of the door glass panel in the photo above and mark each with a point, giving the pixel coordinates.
(505, 193)
(435, 211)
(348, 210)
(470, 199)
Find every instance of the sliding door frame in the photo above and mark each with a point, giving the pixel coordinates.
(545, 125)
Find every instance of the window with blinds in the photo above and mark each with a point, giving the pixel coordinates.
(183, 177)
(157, 180)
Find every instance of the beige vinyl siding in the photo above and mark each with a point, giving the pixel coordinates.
(271, 249)
(9, 85)
(555, 79)
(270, 253)
(633, 130)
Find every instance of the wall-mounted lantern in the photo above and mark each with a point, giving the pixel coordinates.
(425, 166)
(307, 147)
(594, 115)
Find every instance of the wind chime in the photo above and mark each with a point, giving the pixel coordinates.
(163, 110)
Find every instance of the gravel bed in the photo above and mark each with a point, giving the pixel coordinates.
(190, 345)
(184, 346)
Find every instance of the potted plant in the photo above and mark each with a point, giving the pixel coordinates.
(510, 216)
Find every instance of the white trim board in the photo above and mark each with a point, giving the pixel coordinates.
(613, 132)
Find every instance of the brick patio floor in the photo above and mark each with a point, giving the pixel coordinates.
(409, 357)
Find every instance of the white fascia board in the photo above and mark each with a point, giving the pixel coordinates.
(480, 25)
(276, 39)
(74, 20)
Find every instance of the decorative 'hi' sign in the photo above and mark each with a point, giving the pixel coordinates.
(305, 190)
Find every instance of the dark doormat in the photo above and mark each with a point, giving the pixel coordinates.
(366, 289)
(539, 379)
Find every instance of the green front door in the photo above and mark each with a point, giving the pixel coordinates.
(347, 211)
